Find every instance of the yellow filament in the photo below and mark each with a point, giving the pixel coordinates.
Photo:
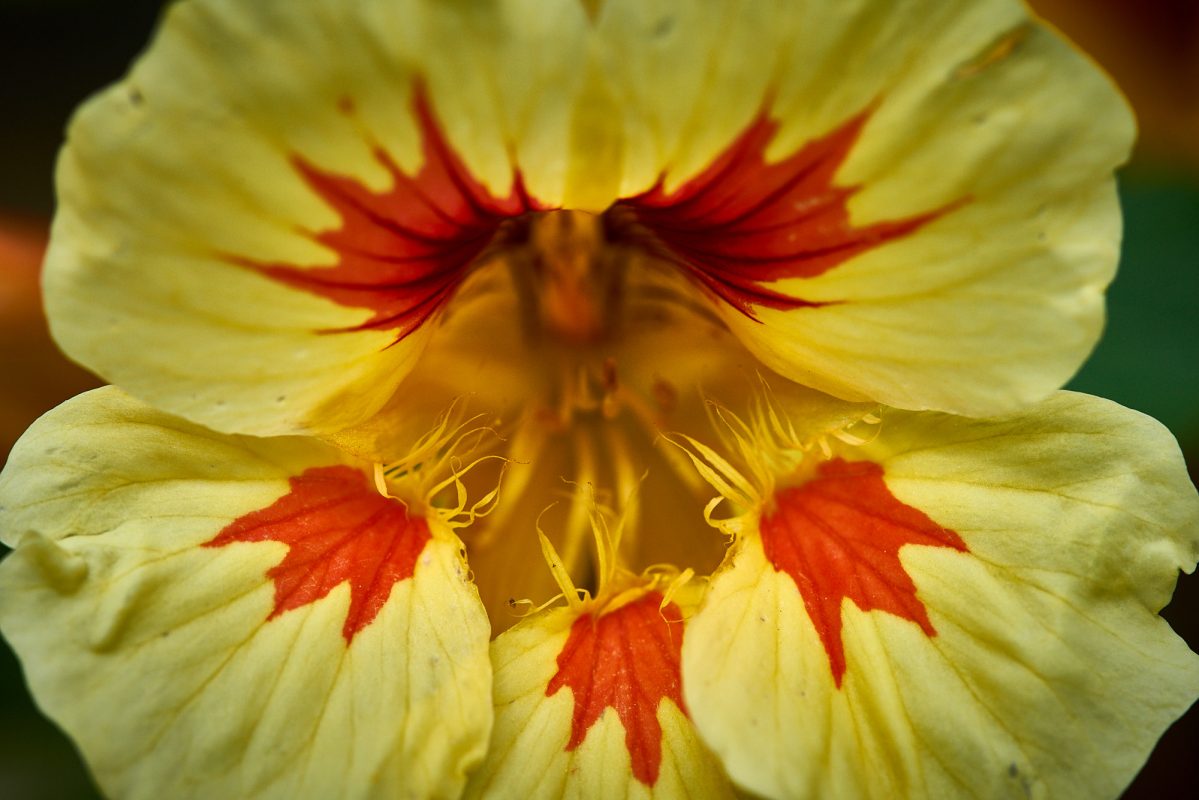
(435, 464)
(574, 596)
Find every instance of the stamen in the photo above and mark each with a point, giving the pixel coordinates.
(574, 597)
(723, 477)
(381, 480)
(585, 477)
(672, 589)
(434, 464)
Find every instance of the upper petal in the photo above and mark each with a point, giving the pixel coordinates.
(215, 616)
(257, 222)
(905, 202)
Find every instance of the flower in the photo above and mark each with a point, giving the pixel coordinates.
(435, 320)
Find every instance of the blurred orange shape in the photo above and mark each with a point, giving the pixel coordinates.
(22, 245)
(1151, 49)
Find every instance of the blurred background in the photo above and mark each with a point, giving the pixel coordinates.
(53, 53)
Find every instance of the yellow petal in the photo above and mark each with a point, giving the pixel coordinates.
(258, 222)
(1008, 644)
(217, 616)
(589, 705)
(907, 203)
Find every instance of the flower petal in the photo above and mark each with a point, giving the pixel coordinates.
(968, 608)
(282, 220)
(910, 203)
(251, 611)
(589, 704)
(278, 198)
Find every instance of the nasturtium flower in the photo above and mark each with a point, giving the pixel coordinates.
(543, 398)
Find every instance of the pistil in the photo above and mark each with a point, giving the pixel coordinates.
(569, 277)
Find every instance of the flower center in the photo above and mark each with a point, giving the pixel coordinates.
(571, 276)
(587, 348)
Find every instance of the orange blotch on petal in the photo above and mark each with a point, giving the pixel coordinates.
(838, 536)
(338, 529)
(743, 223)
(401, 253)
(628, 660)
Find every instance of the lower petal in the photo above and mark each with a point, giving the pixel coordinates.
(967, 608)
(250, 611)
(589, 704)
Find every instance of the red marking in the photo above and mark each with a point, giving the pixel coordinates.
(838, 536)
(402, 252)
(742, 223)
(628, 660)
(337, 528)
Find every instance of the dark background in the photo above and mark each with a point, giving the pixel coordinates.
(53, 53)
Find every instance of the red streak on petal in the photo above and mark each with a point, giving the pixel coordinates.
(838, 536)
(337, 529)
(742, 223)
(628, 660)
(402, 252)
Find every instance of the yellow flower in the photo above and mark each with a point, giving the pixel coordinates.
(446, 331)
